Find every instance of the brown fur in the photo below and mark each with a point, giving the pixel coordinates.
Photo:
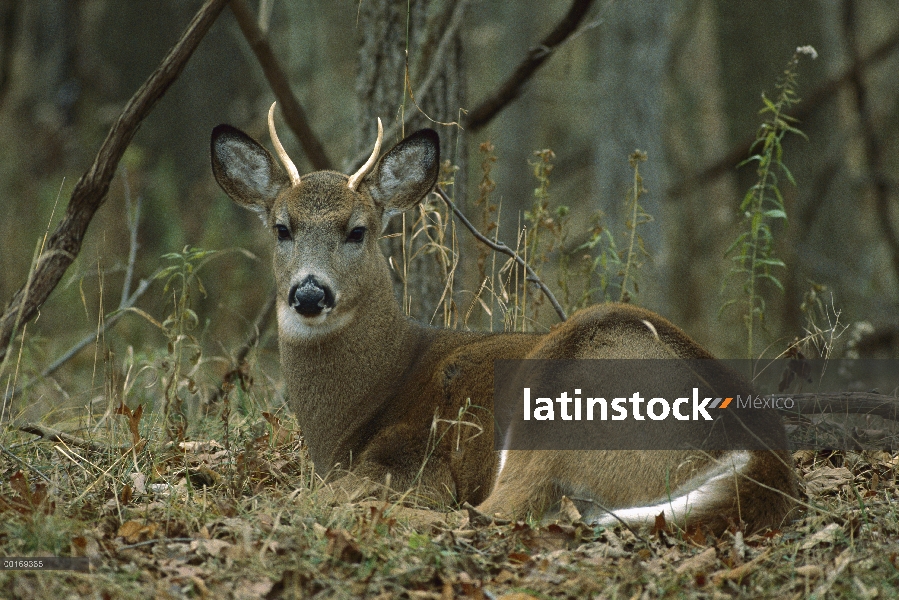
(381, 394)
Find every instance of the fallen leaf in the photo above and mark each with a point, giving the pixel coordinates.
(660, 526)
(810, 571)
(133, 531)
(703, 561)
(827, 479)
(828, 535)
(568, 512)
(342, 546)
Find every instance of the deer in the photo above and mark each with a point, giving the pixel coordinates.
(378, 396)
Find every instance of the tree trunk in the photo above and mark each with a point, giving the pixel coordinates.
(391, 31)
(632, 60)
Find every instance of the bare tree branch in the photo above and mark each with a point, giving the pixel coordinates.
(55, 435)
(501, 247)
(810, 104)
(64, 244)
(294, 115)
(872, 143)
(484, 112)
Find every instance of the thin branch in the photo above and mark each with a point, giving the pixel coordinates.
(394, 130)
(484, 112)
(90, 191)
(612, 513)
(872, 144)
(31, 468)
(501, 247)
(262, 322)
(132, 218)
(85, 341)
(810, 104)
(856, 403)
(294, 115)
(55, 435)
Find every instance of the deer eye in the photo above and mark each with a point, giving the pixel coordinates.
(356, 235)
(282, 232)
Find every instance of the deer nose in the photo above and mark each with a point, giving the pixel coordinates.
(309, 298)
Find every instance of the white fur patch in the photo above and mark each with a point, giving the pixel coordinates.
(294, 326)
(695, 495)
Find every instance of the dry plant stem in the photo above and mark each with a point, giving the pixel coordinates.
(611, 512)
(31, 468)
(484, 112)
(127, 300)
(501, 247)
(55, 435)
(90, 191)
(294, 115)
(263, 320)
(846, 403)
(810, 104)
(393, 131)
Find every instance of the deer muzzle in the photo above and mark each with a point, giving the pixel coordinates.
(310, 297)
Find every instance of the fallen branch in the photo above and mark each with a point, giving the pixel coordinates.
(856, 403)
(31, 468)
(55, 435)
(501, 247)
(484, 112)
(294, 115)
(64, 244)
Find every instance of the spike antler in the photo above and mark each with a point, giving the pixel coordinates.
(279, 149)
(356, 177)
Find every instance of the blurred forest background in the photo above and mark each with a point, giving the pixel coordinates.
(680, 80)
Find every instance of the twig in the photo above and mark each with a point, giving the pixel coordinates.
(132, 218)
(809, 105)
(263, 319)
(612, 513)
(180, 540)
(484, 112)
(90, 191)
(294, 115)
(501, 247)
(55, 435)
(24, 464)
(845, 403)
(86, 340)
(392, 131)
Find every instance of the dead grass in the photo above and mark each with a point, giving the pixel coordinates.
(205, 521)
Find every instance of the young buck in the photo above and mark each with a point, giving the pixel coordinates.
(381, 397)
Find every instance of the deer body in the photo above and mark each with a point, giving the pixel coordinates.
(379, 394)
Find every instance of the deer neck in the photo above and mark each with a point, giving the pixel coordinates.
(337, 382)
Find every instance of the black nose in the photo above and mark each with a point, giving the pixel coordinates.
(310, 297)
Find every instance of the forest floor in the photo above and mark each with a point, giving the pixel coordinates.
(241, 517)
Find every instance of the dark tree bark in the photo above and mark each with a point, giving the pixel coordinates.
(387, 32)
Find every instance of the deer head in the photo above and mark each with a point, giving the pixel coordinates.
(325, 225)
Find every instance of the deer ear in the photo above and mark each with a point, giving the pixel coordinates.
(405, 174)
(246, 170)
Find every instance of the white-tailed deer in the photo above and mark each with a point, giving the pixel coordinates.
(376, 393)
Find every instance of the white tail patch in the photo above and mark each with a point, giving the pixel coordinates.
(694, 497)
